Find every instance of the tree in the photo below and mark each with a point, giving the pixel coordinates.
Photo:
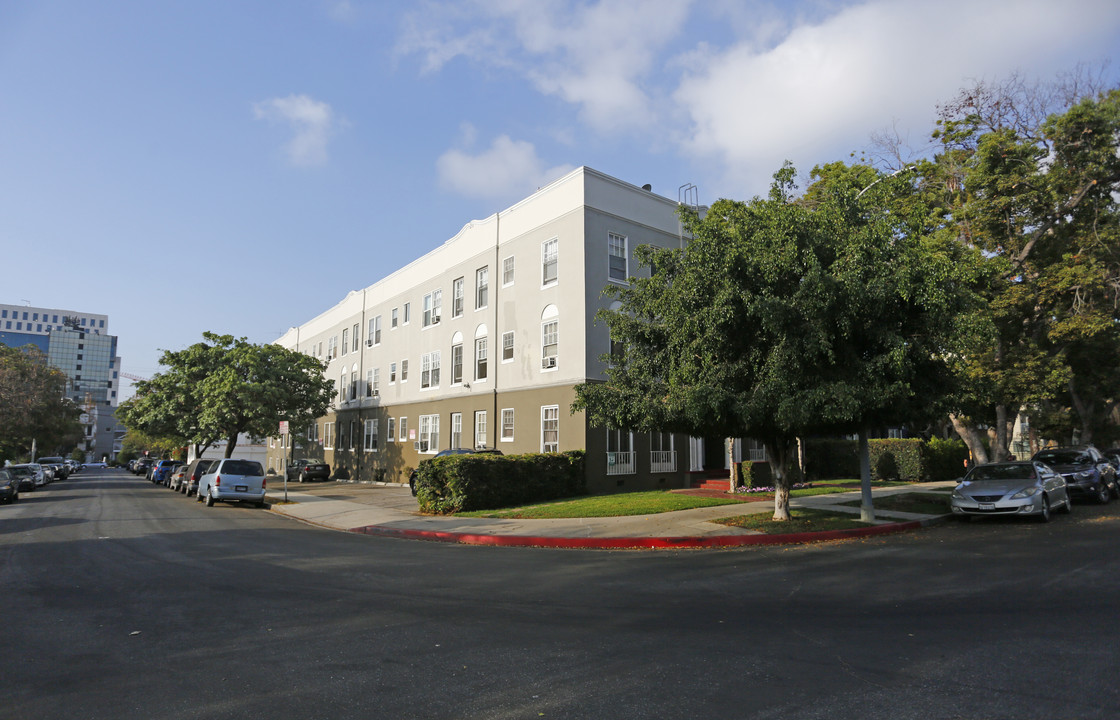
(223, 387)
(1030, 176)
(781, 317)
(33, 405)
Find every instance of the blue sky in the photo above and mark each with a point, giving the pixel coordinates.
(239, 166)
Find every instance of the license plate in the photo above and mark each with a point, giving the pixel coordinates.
(241, 488)
(987, 506)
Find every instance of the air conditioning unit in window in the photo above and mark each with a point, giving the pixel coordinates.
(435, 320)
(548, 363)
(416, 446)
(377, 393)
(369, 343)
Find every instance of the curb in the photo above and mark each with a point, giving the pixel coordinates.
(654, 543)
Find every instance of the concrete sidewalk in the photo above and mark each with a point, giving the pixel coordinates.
(391, 511)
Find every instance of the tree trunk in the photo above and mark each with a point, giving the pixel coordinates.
(779, 452)
(971, 436)
(999, 441)
(735, 472)
(231, 443)
(1084, 410)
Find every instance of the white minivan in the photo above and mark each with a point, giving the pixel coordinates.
(232, 481)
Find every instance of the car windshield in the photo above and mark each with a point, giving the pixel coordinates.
(242, 467)
(1064, 457)
(1003, 472)
(20, 471)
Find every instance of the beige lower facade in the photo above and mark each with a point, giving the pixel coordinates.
(357, 443)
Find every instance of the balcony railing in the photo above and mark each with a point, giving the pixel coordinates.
(621, 463)
(661, 461)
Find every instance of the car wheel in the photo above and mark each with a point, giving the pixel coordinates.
(412, 484)
(1067, 506)
(1104, 493)
(209, 500)
(302, 477)
(1044, 516)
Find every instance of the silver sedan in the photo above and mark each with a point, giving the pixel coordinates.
(1010, 488)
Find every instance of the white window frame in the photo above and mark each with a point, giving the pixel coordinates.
(392, 373)
(550, 257)
(457, 298)
(328, 436)
(660, 458)
(429, 370)
(482, 287)
(507, 345)
(433, 308)
(428, 436)
(370, 443)
(481, 428)
(550, 344)
(614, 241)
(481, 359)
(390, 429)
(404, 370)
(507, 424)
(550, 423)
(394, 318)
(456, 430)
(508, 269)
(621, 460)
(345, 341)
(374, 338)
(407, 314)
(457, 379)
(356, 341)
(403, 425)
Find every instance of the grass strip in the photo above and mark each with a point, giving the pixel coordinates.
(801, 520)
(926, 503)
(637, 503)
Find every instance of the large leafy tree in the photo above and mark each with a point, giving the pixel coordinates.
(782, 317)
(1030, 176)
(222, 387)
(33, 406)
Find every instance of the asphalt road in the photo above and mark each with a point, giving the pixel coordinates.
(122, 599)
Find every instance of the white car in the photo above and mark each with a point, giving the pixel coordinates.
(1010, 488)
(232, 480)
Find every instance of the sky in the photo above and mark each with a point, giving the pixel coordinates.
(239, 166)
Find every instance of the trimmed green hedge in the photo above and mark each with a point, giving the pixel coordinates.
(459, 483)
(891, 459)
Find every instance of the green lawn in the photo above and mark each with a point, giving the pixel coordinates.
(801, 520)
(928, 503)
(637, 503)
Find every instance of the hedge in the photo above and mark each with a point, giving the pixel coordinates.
(459, 483)
(891, 459)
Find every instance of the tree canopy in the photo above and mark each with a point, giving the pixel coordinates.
(782, 317)
(33, 405)
(220, 388)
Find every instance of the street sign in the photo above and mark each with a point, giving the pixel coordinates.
(283, 427)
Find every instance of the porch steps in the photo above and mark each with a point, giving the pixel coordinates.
(711, 481)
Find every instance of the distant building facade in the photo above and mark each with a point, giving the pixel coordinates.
(481, 342)
(80, 346)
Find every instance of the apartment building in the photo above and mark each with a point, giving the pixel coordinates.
(480, 342)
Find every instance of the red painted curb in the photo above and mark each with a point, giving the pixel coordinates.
(609, 543)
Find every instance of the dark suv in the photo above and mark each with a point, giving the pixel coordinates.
(189, 484)
(445, 453)
(305, 469)
(1086, 471)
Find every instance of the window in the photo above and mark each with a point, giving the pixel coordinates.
(357, 340)
(620, 453)
(457, 298)
(550, 428)
(549, 343)
(374, 331)
(404, 370)
(393, 319)
(507, 424)
(433, 306)
(507, 346)
(662, 454)
(342, 387)
(480, 358)
(345, 341)
(456, 430)
(332, 348)
(354, 383)
(371, 436)
(392, 373)
(616, 258)
(313, 432)
(549, 257)
(328, 436)
(480, 429)
(407, 313)
(404, 429)
(429, 369)
(481, 288)
(457, 364)
(373, 382)
(429, 433)
(507, 271)
(390, 428)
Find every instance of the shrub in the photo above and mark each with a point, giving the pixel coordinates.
(457, 483)
(944, 459)
(755, 475)
(895, 459)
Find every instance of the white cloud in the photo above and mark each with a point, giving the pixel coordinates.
(311, 122)
(507, 169)
(823, 88)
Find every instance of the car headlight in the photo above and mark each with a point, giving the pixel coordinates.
(1084, 475)
(958, 495)
(1025, 493)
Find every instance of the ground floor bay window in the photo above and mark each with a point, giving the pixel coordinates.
(662, 453)
(621, 459)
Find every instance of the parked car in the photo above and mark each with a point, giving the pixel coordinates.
(194, 472)
(177, 477)
(55, 467)
(73, 465)
(1086, 471)
(142, 465)
(29, 476)
(1010, 488)
(161, 471)
(305, 470)
(445, 453)
(231, 480)
(9, 486)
